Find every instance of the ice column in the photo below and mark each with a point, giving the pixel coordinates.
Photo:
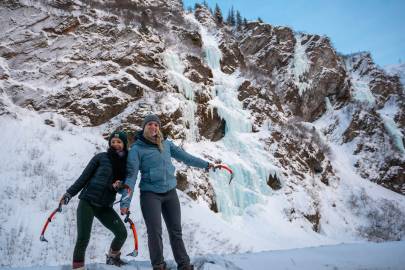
(243, 152)
(175, 69)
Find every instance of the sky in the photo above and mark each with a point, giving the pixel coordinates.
(377, 26)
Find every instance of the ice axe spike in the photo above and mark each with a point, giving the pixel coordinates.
(134, 253)
(49, 219)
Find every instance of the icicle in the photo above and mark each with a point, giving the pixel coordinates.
(175, 69)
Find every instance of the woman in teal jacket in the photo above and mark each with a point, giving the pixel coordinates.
(151, 155)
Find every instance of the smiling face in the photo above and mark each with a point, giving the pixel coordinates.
(117, 144)
(152, 128)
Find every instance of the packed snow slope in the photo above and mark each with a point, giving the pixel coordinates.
(315, 139)
(382, 256)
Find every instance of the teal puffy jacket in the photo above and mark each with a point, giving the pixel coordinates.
(157, 170)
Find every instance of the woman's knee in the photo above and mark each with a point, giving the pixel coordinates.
(124, 234)
(121, 233)
(175, 233)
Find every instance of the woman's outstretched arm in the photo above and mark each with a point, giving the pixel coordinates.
(187, 158)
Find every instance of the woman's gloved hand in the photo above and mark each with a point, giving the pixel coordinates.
(65, 198)
(117, 185)
(124, 211)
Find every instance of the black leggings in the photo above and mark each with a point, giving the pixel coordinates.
(153, 206)
(107, 216)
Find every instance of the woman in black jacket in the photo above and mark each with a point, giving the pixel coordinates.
(98, 184)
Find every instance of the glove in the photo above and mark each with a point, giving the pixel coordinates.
(117, 185)
(213, 166)
(124, 211)
(65, 198)
(210, 166)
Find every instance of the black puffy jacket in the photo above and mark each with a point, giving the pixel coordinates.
(96, 182)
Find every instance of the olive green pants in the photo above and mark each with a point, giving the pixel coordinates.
(107, 216)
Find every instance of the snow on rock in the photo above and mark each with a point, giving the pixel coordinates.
(398, 69)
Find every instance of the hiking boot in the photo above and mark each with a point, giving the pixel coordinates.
(78, 265)
(113, 258)
(186, 267)
(161, 266)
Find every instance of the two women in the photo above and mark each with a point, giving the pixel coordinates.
(151, 155)
(99, 184)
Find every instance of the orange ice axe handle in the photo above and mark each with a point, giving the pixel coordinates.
(42, 237)
(134, 253)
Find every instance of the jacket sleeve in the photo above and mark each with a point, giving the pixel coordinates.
(186, 158)
(84, 177)
(132, 174)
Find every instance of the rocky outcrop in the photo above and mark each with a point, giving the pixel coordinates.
(263, 103)
(197, 71)
(377, 159)
(315, 220)
(266, 47)
(232, 58)
(197, 190)
(189, 37)
(274, 182)
(326, 75)
(301, 151)
(381, 85)
(210, 125)
(66, 26)
(301, 69)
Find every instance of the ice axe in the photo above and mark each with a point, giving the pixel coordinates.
(127, 219)
(223, 166)
(59, 209)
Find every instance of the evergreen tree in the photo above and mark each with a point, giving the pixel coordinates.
(259, 20)
(231, 17)
(205, 4)
(244, 22)
(218, 14)
(238, 20)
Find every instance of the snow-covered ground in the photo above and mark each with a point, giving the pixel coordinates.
(370, 256)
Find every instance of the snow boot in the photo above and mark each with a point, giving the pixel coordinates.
(113, 258)
(186, 267)
(78, 266)
(160, 266)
